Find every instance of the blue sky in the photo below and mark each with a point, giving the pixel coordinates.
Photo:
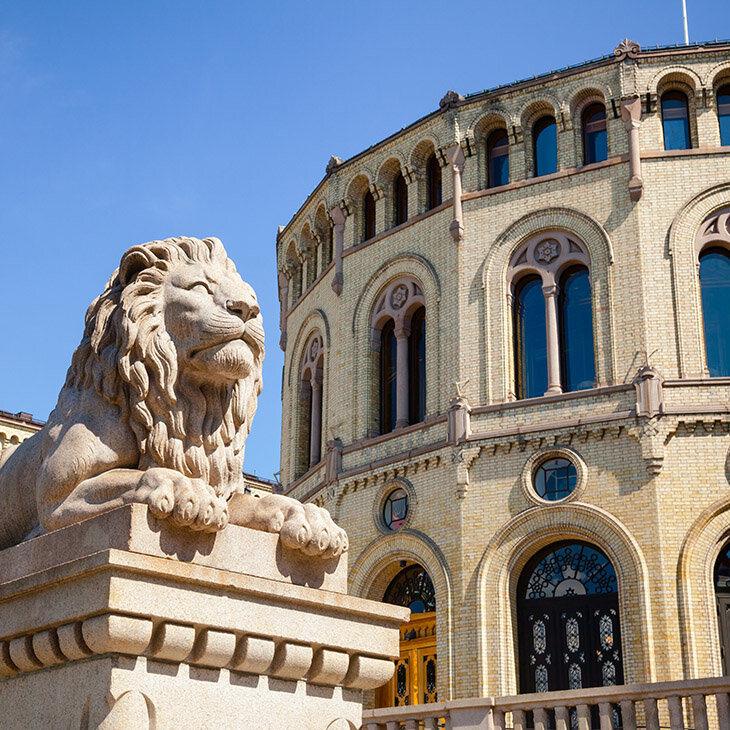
(123, 122)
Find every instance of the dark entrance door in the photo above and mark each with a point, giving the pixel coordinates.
(568, 620)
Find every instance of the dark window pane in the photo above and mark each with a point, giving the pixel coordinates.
(387, 377)
(555, 479)
(576, 325)
(595, 142)
(433, 183)
(530, 338)
(368, 217)
(545, 134)
(412, 587)
(497, 158)
(305, 426)
(401, 199)
(715, 286)
(675, 121)
(417, 367)
(723, 113)
(396, 509)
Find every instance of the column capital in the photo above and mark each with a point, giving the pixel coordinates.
(551, 290)
(631, 111)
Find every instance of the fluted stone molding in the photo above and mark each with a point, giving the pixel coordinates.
(339, 216)
(456, 160)
(631, 117)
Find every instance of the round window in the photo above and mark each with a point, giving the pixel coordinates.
(555, 479)
(395, 509)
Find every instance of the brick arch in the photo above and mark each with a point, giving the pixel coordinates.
(315, 320)
(497, 312)
(700, 635)
(670, 74)
(411, 266)
(378, 564)
(717, 76)
(491, 110)
(683, 255)
(506, 556)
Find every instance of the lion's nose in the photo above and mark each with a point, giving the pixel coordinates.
(245, 310)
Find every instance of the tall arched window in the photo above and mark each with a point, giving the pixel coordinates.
(433, 182)
(675, 121)
(595, 141)
(530, 342)
(552, 316)
(400, 199)
(399, 325)
(568, 620)
(368, 216)
(721, 580)
(497, 158)
(715, 287)
(723, 113)
(578, 367)
(713, 251)
(545, 146)
(388, 382)
(414, 680)
(310, 404)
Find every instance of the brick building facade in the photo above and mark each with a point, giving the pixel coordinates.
(634, 191)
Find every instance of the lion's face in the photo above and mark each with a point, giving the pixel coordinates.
(213, 319)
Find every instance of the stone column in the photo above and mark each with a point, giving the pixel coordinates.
(401, 396)
(631, 116)
(338, 216)
(456, 159)
(553, 340)
(315, 425)
(284, 300)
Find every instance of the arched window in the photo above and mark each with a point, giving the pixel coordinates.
(368, 216)
(545, 146)
(552, 316)
(433, 183)
(497, 158)
(721, 580)
(723, 113)
(400, 199)
(414, 680)
(595, 141)
(417, 367)
(309, 450)
(578, 368)
(388, 382)
(675, 121)
(715, 288)
(530, 342)
(568, 624)
(400, 323)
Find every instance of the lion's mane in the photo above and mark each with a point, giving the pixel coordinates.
(128, 357)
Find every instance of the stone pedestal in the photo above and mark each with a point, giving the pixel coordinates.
(122, 621)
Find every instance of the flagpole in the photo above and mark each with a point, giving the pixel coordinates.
(684, 15)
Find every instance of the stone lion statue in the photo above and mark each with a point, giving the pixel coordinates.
(156, 408)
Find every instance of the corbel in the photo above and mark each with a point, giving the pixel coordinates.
(464, 458)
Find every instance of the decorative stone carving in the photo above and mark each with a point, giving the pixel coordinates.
(627, 48)
(333, 164)
(449, 100)
(546, 251)
(156, 408)
(399, 296)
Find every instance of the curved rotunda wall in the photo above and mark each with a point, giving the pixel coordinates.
(651, 436)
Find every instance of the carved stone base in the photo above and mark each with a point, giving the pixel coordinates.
(125, 622)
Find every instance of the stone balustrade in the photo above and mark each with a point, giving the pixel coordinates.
(696, 704)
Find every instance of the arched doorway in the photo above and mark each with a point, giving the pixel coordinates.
(568, 620)
(721, 581)
(414, 680)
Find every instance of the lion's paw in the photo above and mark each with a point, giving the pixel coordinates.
(312, 530)
(184, 501)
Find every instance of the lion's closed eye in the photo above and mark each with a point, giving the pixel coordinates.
(200, 286)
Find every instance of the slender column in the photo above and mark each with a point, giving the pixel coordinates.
(456, 159)
(338, 218)
(401, 373)
(631, 116)
(553, 340)
(676, 721)
(284, 302)
(315, 430)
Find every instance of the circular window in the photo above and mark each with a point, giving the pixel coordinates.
(395, 509)
(555, 479)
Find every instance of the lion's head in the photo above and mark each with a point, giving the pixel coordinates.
(176, 341)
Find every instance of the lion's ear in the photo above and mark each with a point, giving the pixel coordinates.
(136, 259)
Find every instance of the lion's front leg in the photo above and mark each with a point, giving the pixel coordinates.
(304, 527)
(184, 501)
